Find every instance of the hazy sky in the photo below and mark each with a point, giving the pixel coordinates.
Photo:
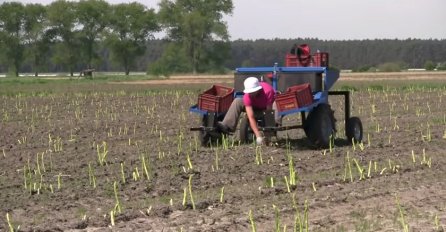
(330, 19)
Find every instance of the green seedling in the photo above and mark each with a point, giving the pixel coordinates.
(225, 142)
(222, 193)
(360, 169)
(348, 168)
(368, 140)
(378, 129)
(276, 218)
(353, 144)
(436, 223)
(292, 172)
(22, 140)
(144, 166)
(251, 219)
(91, 176)
(287, 184)
(180, 143)
(189, 162)
(117, 207)
(10, 226)
(425, 160)
(25, 177)
(58, 145)
(102, 152)
(413, 157)
(301, 221)
(112, 217)
(259, 158)
(370, 167)
(59, 181)
(196, 143)
(72, 136)
(122, 173)
(361, 146)
(395, 125)
(136, 174)
(190, 192)
(185, 191)
(402, 219)
(314, 187)
(216, 160)
(184, 196)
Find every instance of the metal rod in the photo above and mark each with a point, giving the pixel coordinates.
(346, 101)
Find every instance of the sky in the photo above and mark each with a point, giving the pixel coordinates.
(329, 19)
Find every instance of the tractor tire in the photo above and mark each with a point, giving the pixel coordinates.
(245, 133)
(320, 126)
(353, 130)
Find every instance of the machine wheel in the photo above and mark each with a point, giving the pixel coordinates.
(320, 126)
(246, 135)
(353, 130)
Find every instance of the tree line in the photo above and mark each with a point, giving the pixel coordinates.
(69, 37)
(357, 55)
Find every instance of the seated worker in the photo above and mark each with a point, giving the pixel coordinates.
(258, 96)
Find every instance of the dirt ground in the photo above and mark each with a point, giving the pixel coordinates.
(70, 159)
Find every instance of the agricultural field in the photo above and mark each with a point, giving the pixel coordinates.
(88, 155)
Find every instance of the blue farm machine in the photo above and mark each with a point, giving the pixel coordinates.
(302, 86)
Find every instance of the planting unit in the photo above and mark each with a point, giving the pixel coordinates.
(300, 89)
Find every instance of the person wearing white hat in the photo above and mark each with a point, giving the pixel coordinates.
(258, 96)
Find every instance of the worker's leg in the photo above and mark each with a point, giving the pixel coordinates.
(233, 114)
(277, 117)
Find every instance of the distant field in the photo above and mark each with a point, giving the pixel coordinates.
(116, 153)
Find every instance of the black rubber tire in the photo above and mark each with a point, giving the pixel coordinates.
(245, 133)
(353, 130)
(320, 126)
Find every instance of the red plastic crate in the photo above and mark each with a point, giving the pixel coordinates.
(295, 97)
(293, 61)
(216, 99)
(303, 94)
(286, 101)
(320, 59)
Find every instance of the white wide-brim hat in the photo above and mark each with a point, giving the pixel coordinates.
(251, 85)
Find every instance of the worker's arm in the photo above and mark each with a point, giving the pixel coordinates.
(252, 121)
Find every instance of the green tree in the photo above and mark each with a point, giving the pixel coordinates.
(441, 66)
(12, 17)
(65, 36)
(389, 67)
(37, 42)
(131, 25)
(173, 60)
(195, 23)
(429, 65)
(92, 18)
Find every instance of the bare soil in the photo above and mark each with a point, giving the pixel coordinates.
(51, 179)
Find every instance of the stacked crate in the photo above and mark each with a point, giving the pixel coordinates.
(217, 99)
(295, 97)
